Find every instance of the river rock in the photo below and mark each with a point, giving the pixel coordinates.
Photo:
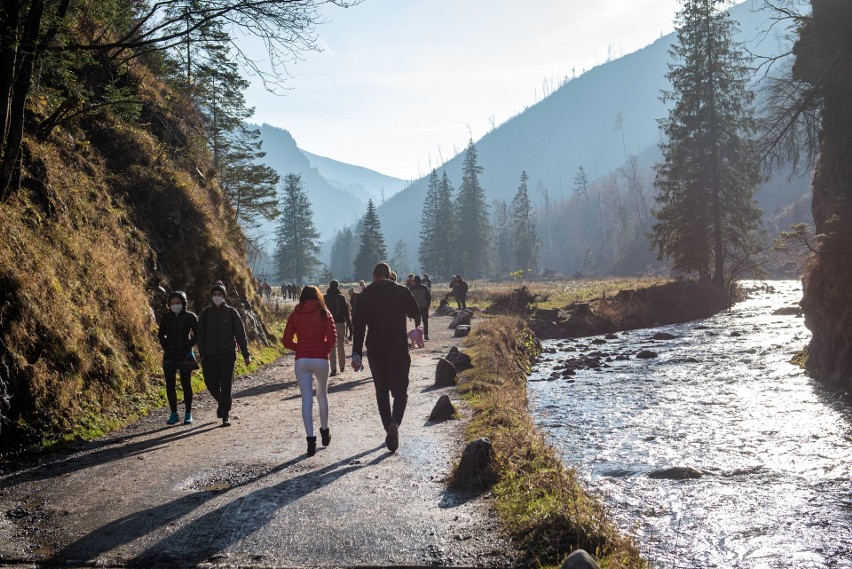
(461, 331)
(443, 409)
(611, 336)
(663, 336)
(599, 341)
(445, 374)
(476, 468)
(580, 559)
(646, 354)
(460, 360)
(788, 311)
(676, 473)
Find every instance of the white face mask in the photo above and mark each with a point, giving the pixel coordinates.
(176, 308)
(218, 300)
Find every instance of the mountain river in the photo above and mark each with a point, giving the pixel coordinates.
(772, 447)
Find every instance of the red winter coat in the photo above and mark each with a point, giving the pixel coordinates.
(315, 335)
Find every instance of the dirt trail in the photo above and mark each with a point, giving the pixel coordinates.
(248, 496)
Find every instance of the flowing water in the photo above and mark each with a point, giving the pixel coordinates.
(774, 448)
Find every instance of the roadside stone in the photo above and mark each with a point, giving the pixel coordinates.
(461, 331)
(460, 360)
(476, 468)
(580, 559)
(646, 354)
(443, 410)
(445, 374)
(663, 336)
(462, 318)
(676, 473)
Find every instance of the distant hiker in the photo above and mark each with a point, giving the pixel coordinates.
(458, 289)
(409, 281)
(427, 282)
(178, 333)
(219, 329)
(311, 333)
(423, 298)
(383, 307)
(393, 276)
(339, 308)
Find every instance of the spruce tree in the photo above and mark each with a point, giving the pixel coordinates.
(504, 254)
(444, 240)
(429, 224)
(705, 208)
(526, 242)
(343, 255)
(298, 245)
(399, 260)
(372, 250)
(474, 244)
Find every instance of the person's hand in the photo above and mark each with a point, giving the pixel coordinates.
(247, 359)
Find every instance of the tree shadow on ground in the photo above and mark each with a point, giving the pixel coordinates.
(217, 530)
(102, 452)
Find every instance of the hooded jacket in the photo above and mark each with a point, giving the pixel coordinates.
(177, 332)
(309, 334)
(338, 306)
(219, 330)
(383, 307)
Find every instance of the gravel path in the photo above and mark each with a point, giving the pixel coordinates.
(248, 496)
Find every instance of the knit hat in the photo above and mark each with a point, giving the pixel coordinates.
(220, 286)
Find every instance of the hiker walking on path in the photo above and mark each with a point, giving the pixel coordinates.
(178, 333)
(427, 282)
(219, 327)
(383, 308)
(423, 298)
(339, 308)
(311, 333)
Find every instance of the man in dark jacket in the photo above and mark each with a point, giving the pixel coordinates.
(383, 308)
(178, 332)
(423, 298)
(339, 308)
(219, 327)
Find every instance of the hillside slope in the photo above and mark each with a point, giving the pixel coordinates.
(113, 211)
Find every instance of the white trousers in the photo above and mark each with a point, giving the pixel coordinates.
(306, 370)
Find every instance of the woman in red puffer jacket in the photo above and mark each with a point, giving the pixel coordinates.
(311, 333)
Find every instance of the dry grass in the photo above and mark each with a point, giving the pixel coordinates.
(556, 293)
(543, 504)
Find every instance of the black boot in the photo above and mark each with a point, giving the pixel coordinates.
(326, 436)
(312, 445)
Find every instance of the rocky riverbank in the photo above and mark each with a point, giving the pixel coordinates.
(669, 303)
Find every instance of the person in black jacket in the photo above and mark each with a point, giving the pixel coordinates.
(177, 334)
(219, 328)
(339, 308)
(423, 298)
(383, 308)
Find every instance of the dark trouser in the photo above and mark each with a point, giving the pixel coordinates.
(390, 377)
(219, 377)
(461, 300)
(423, 317)
(185, 384)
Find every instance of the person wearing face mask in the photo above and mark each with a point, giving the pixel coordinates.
(178, 332)
(219, 327)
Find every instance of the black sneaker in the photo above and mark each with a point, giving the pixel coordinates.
(392, 438)
(326, 436)
(312, 445)
(226, 421)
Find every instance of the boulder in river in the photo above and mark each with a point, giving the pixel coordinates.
(663, 336)
(646, 354)
(443, 409)
(611, 336)
(788, 311)
(580, 559)
(676, 473)
(445, 374)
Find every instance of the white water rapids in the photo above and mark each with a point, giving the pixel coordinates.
(774, 447)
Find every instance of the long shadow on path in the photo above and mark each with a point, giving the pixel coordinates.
(214, 531)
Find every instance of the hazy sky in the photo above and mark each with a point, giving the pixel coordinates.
(399, 81)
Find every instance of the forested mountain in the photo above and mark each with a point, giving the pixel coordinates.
(338, 192)
(605, 121)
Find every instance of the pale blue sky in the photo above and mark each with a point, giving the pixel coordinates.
(400, 80)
